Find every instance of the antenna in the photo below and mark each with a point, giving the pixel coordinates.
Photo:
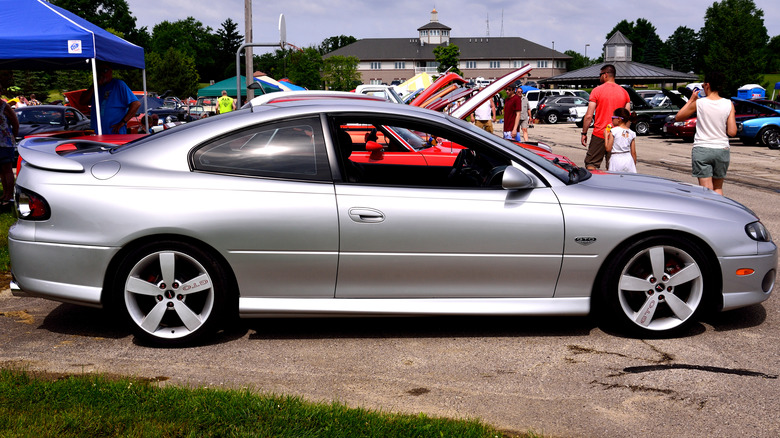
(487, 24)
(502, 22)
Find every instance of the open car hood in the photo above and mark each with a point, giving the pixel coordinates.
(499, 84)
(637, 102)
(676, 99)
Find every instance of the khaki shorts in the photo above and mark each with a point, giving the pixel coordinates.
(709, 162)
(487, 125)
(597, 151)
(523, 124)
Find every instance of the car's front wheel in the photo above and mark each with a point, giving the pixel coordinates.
(656, 286)
(769, 136)
(642, 127)
(172, 293)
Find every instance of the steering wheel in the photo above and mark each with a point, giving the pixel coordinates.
(464, 159)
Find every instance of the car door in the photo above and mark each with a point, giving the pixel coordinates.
(277, 186)
(402, 239)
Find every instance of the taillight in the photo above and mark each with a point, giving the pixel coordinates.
(31, 206)
(542, 106)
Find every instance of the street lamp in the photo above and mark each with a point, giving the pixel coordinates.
(552, 72)
(586, 50)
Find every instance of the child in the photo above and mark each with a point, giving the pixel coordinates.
(621, 143)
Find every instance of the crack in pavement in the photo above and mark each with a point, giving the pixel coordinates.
(711, 369)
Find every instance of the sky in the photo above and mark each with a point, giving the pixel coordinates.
(564, 24)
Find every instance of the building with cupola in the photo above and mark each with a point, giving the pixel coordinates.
(383, 60)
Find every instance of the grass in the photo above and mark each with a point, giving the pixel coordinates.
(75, 406)
(6, 220)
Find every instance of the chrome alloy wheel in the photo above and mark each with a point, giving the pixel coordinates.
(169, 295)
(660, 288)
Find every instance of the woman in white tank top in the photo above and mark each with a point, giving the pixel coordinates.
(715, 123)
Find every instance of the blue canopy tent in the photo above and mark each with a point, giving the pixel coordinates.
(50, 38)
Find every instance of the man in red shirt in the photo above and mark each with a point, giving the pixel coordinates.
(512, 107)
(604, 100)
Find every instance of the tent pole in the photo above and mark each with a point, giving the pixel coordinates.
(96, 94)
(146, 108)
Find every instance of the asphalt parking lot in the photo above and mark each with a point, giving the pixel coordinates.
(562, 377)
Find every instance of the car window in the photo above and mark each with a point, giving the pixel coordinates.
(447, 158)
(292, 149)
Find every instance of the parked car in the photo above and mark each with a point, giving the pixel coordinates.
(553, 109)
(39, 119)
(535, 96)
(744, 109)
(651, 119)
(762, 130)
(260, 213)
(386, 92)
(647, 95)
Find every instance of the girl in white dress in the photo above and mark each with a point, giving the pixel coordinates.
(621, 143)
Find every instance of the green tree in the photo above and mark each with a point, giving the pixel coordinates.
(733, 42)
(773, 55)
(193, 40)
(33, 82)
(448, 57)
(304, 66)
(340, 73)
(577, 61)
(624, 26)
(335, 42)
(682, 49)
(228, 42)
(172, 70)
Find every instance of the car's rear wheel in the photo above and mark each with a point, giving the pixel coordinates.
(172, 293)
(552, 117)
(769, 136)
(656, 286)
(642, 127)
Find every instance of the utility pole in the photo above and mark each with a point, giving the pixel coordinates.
(249, 61)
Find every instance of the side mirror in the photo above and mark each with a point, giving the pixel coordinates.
(516, 179)
(377, 152)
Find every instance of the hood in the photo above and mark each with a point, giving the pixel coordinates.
(634, 190)
(443, 81)
(637, 102)
(26, 129)
(491, 90)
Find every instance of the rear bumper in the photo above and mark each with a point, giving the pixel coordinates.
(60, 272)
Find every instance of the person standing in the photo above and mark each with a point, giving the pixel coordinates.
(620, 143)
(118, 104)
(604, 100)
(485, 115)
(512, 107)
(525, 115)
(33, 100)
(225, 103)
(715, 123)
(9, 130)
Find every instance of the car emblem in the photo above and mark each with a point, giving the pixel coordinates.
(585, 241)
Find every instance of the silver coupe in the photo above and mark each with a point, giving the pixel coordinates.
(261, 213)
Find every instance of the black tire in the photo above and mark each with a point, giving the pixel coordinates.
(172, 293)
(552, 117)
(642, 127)
(656, 286)
(769, 136)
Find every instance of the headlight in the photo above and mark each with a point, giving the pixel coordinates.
(757, 231)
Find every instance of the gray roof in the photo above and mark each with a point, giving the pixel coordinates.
(485, 48)
(628, 72)
(618, 38)
(434, 25)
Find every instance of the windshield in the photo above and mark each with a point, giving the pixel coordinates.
(567, 173)
(35, 116)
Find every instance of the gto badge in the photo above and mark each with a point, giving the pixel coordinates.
(585, 241)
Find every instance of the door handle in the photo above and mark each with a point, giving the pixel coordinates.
(366, 215)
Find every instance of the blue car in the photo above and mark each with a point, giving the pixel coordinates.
(762, 130)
